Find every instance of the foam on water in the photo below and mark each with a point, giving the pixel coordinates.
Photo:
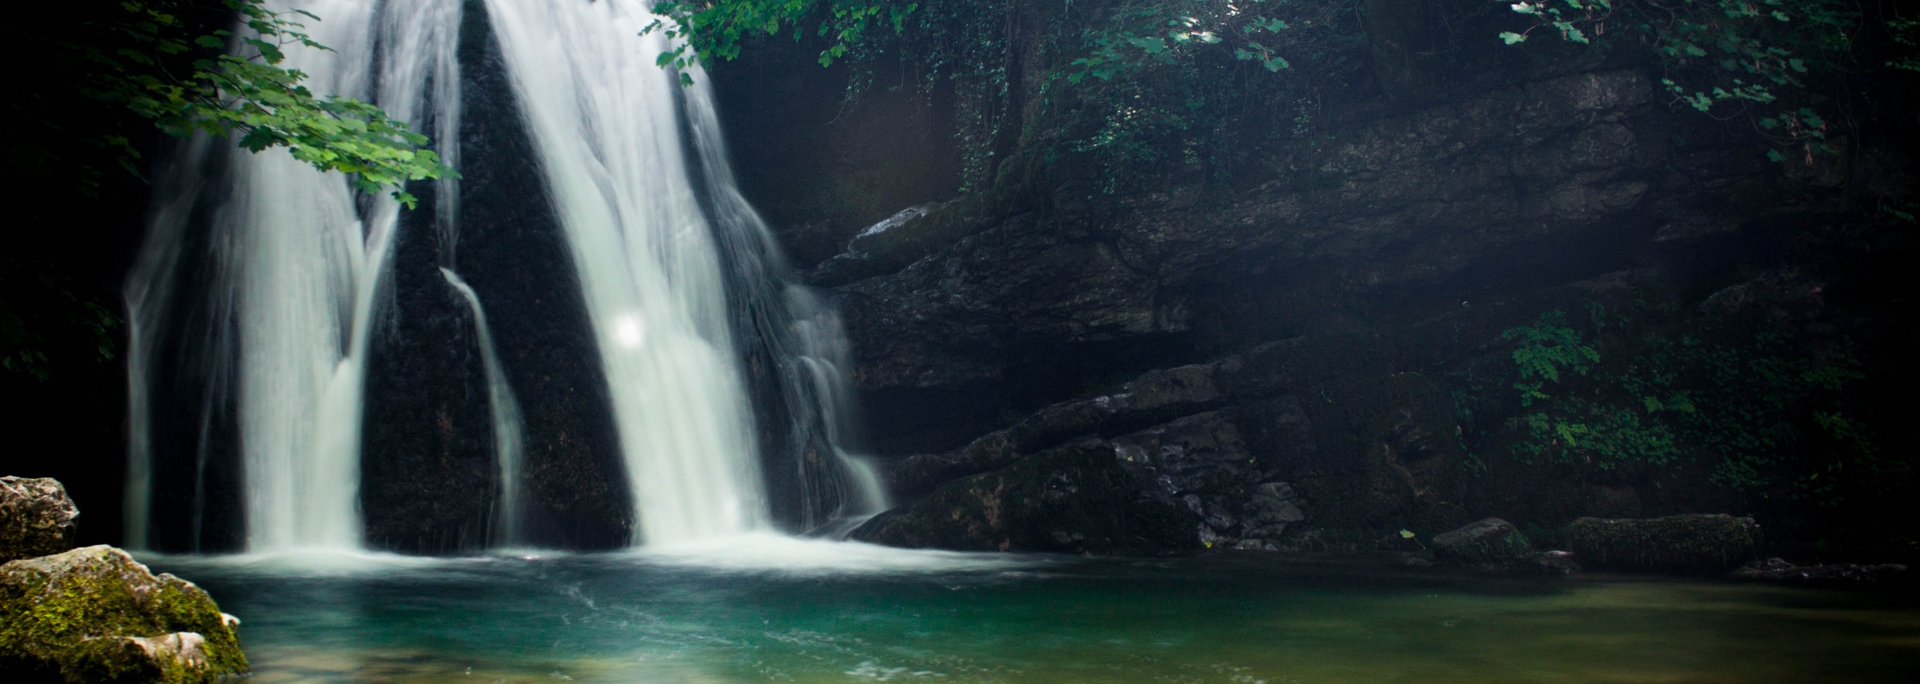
(778, 554)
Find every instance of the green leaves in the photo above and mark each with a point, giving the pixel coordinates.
(247, 97)
(705, 31)
(1730, 58)
(1549, 346)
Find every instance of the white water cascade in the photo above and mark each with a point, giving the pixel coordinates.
(508, 430)
(603, 118)
(660, 239)
(297, 268)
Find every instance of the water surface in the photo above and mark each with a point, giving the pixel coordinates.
(768, 609)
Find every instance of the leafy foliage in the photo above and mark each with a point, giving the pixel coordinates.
(1570, 427)
(1755, 59)
(1737, 395)
(1181, 84)
(962, 42)
(706, 31)
(245, 94)
(1149, 85)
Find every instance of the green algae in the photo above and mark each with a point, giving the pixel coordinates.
(67, 610)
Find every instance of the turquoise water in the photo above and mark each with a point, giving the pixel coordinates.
(772, 610)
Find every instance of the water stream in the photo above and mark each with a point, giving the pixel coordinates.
(768, 609)
(263, 282)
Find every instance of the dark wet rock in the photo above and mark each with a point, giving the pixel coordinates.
(1075, 498)
(1490, 542)
(1153, 397)
(1414, 560)
(964, 315)
(1676, 543)
(1201, 463)
(1548, 563)
(95, 615)
(36, 517)
(916, 475)
(906, 237)
(1841, 574)
(1398, 202)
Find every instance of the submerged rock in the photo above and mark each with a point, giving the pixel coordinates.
(1489, 542)
(1074, 498)
(1676, 543)
(95, 615)
(1550, 563)
(36, 517)
(1778, 570)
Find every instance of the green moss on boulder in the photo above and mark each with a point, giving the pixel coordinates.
(1492, 542)
(1693, 543)
(95, 615)
(36, 517)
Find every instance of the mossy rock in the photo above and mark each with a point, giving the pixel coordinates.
(1693, 543)
(36, 517)
(95, 615)
(1492, 542)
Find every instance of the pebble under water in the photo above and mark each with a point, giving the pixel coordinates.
(765, 608)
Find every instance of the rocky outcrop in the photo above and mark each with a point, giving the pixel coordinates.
(1074, 498)
(906, 237)
(1839, 574)
(1490, 542)
(1404, 201)
(36, 517)
(1151, 398)
(1691, 543)
(95, 615)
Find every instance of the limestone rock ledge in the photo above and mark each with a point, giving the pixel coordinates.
(36, 517)
(95, 615)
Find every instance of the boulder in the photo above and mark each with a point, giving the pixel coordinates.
(906, 237)
(1074, 498)
(1548, 563)
(36, 517)
(1153, 397)
(95, 615)
(1691, 543)
(1202, 463)
(1778, 570)
(1489, 542)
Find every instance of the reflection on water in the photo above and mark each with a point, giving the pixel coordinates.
(773, 609)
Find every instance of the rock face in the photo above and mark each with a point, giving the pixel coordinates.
(95, 615)
(1153, 397)
(1397, 202)
(36, 517)
(1489, 542)
(1844, 574)
(1074, 498)
(1676, 543)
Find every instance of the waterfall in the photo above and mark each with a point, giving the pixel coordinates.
(294, 261)
(262, 281)
(603, 121)
(507, 440)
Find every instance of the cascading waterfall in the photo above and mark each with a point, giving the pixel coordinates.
(297, 263)
(262, 281)
(507, 426)
(602, 117)
(804, 336)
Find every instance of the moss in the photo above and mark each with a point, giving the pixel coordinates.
(1677, 543)
(1488, 542)
(63, 609)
